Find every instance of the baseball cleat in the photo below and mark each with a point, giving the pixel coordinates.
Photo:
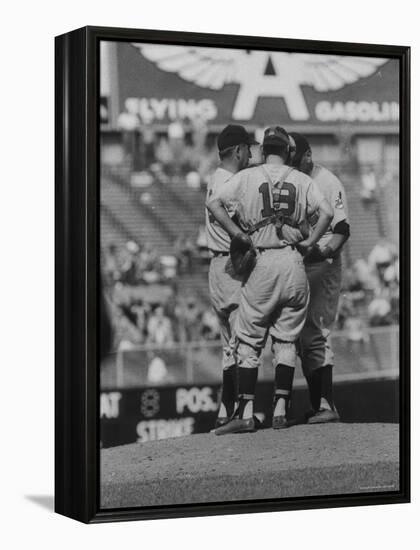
(280, 422)
(323, 416)
(257, 423)
(236, 426)
(221, 421)
(303, 418)
(308, 414)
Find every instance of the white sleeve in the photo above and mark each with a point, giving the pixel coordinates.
(314, 197)
(338, 202)
(230, 193)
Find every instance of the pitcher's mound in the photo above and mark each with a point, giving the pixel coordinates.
(327, 459)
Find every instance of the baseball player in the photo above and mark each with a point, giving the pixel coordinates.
(271, 202)
(234, 152)
(323, 269)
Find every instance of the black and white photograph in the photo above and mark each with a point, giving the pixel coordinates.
(209, 242)
(250, 267)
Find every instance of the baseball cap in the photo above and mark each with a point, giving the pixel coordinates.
(301, 143)
(276, 135)
(233, 134)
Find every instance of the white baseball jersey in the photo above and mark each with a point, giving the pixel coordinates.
(249, 194)
(333, 191)
(324, 281)
(224, 285)
(217, 238)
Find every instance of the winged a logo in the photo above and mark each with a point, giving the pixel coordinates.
(261, 74)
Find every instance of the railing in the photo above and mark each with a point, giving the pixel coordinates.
(199, 362)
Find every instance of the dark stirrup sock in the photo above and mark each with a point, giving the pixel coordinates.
(283, 385)
(314, 381)
(283, 379)
(229, 389)
(327, 385)
(247, 381)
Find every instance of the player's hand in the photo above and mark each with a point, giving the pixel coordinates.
(242, 254)
(315, 254)
(243, 238)
(304, 247)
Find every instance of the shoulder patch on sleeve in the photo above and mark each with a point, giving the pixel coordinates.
(339, 201)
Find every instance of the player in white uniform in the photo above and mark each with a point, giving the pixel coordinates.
(234, 151)
(275, 296)
(323, 269)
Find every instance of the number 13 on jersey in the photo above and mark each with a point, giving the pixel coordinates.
(286, 200)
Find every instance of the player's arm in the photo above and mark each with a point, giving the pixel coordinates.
(324, 220)
(217, 207)
(316, 201)
(339, 225)
(227, 197)
(337, 241)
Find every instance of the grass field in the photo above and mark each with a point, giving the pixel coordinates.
(300, 461)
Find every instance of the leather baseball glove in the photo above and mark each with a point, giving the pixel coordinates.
(315, 255)
(242, 254)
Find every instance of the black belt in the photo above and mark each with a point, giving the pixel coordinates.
(217, 253)
(260, 249)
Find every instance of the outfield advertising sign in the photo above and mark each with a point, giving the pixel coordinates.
(162, 84)
(141, 415)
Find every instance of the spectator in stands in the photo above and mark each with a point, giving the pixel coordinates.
(392, 273)
(128, 123)
(168, 267)
(364, 275)
(157, 372)
(350, 279)
(344, 311)
(210, 329)
(193, 180)
(394, 297)
(188, 314)
(157, 172)
(192, 318)
(112, 267)
(164, 154)
(369, 185)
(185, 252)
(199, 130)
(149, 138)
(141, 312)
(176, 131)
(129, 271)
(176, 135)
(149, 264)
(379, 311)
(201, 243)
(207, 165)
(381, 258)
(159, 328)
(127, 335)
(357, 335)
(148, 257)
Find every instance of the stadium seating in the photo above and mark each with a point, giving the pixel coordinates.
(164, 211)
(129, 215)
(365, 220)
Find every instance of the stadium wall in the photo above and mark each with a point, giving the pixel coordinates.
(147, 414)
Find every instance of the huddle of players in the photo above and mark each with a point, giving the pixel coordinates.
(291, 295)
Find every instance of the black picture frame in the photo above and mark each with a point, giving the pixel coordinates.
(78, 278)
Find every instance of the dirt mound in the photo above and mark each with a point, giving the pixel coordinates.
(301, 461)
